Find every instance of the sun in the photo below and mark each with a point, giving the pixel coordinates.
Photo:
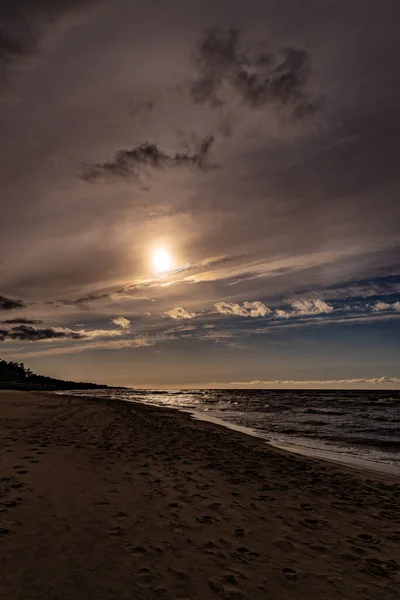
(162, 261)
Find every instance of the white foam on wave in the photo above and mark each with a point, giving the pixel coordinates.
(315, 453)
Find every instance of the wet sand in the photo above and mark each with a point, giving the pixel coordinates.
(109, 500)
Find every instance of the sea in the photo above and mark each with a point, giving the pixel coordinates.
(358, 428)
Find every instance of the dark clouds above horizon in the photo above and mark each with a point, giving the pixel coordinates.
(257, 141)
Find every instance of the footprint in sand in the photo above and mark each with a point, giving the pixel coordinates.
(228, 591)
(244, 555)
(209, 546)
(145, 577)
(313, 523)
(379, 568)
(207, 520)
(12, 503)
(239, 532)
(368, 539)
(139, 550)
(17, 486)
(290, 574)
(116, 530)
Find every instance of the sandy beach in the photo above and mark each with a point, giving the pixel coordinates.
(107, 500)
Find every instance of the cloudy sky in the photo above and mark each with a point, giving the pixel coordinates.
(201, 192)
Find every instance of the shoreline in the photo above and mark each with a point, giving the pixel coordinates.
(330, 457)
(113, 499)
(305, 451)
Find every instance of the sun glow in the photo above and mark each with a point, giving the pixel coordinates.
(162, 261)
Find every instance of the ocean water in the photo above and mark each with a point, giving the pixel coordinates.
(360, 428)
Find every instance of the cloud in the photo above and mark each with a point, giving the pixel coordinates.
(141, 106)
(217, 336)
(128, 163)
(10, 304)
(179, 313)
(121, 322)
(256, 76)
(24, 22)
(325, 382)
(387, 286)
(311, 307)
(164, 281)
(304, 308)
(247, 309)
(9, 47)
(27, 333)
(280, 266)
(381, 306)
(323, 320)
(22, 321)
(100, 333)
(138, 342)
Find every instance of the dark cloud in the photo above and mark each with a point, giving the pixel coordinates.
(258, 76)
(20, 9)
(84, 300)
(23, 22)
(129, 162)
(34, 334)
(22, 321)
(9, 48)
(143, 106)
(10, 304)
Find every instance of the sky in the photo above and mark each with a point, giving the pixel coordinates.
(201, 194)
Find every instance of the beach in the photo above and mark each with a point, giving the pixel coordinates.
(105, 499)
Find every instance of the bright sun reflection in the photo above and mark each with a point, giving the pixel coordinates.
(162, 261)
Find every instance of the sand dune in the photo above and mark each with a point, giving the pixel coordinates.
(109, 500)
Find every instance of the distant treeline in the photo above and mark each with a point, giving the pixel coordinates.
(17, 373)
